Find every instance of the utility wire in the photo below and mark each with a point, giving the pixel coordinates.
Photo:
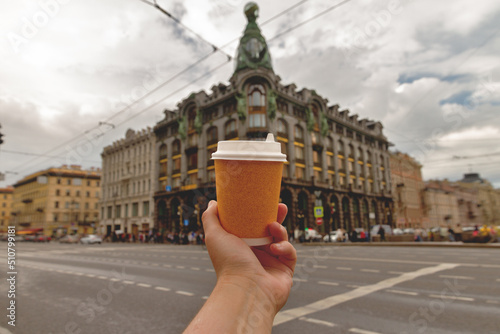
(42, 155)
(455, 157)
(155, 89)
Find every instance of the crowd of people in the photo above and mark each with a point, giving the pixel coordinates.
(175, 238)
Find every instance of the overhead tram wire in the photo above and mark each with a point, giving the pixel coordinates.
(42, 155)
(155, 89)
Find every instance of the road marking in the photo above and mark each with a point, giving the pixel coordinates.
(361, 331)
(466, 299)
(320, 267)
(59, 271)
(328, 283)
(162, 288)
(493, 302)
(370, 270)
(396, 272)
(185, 293)
(498, 279)
(204, 297)
(102, 277)
(155, 265)
(114, 279)
(210, 270)
(344, 268)
(403, 292)
(334, 300)
(195, 268)
(144, 285)
(353, 286)
(317, 321)
(457, 277)
(90, 275)
(194, 258)
(128, 282)
(167, 266)
(78, 274)
(299, 279)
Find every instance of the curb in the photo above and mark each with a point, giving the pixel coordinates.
(403, 244)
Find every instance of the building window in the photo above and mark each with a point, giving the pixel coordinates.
(58, 181)
(318, 175)
(212, 137)
(257, 106)
(193, 161)
(88, 183)
(230, 130)
(361, 161)
(299, 153)
(211, 175)
(298, 134)
(110, 208)
(87, 194)
(176, 182)
(56, 205)
(282, 128)
(191, 118)
(192, 178)
(317, 158)
(126, 211)
(118, 211)
(285, 171)
(135, 209)
(77, 193)
(58, 192)
(145, 209)
(300, 173)
(86, 205)
(69, 182)
(68, 193)
(176, 147)
(77, 182)
(193, 140)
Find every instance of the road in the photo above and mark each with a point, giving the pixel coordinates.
(117, 288)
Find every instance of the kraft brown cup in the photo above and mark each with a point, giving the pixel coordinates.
(248, 191)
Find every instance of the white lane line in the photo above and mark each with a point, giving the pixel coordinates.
(180, 267)
(90, 275)
(167, 266)
(334, 300)
(185, 293)
(320, 267)
(195, 268)
(114, 279)
(59, 271)
(204, 297)
(299, 279)
(328, 283)
(370, 270)
(493, 302)
(194, 258)
(498, 279)
(317, 321)
(409, 293)
(457, 277)
(353, 286)
(210, 270)
(128, 282)
(102, 277)
(466, 299)
(155, 265)
(396, 272)
(78, 274)
(361, 331)
(344, 268)
(144, 285)
(162, 288)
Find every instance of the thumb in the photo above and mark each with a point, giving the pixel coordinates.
(210, 220)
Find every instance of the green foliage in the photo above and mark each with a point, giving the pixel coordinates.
(271, 104)
(182, 127)
(198, 121)
(241, 106)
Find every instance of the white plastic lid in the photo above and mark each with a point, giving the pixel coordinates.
(267, 150)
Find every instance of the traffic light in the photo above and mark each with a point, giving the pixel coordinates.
(1, 135)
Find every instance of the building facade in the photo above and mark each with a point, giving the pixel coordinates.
(128, 184)
(6, 205)
(58, 201)
(334, 159)
(407, 187)
(488, 198)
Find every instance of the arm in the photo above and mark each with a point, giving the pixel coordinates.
(253, 284)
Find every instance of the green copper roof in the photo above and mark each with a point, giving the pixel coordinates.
(252, 50)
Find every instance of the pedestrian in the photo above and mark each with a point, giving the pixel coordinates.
(451, 234)
(253, 284)
(354, 235)
(362, 236)
(381, 232)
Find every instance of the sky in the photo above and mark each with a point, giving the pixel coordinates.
(428, 70)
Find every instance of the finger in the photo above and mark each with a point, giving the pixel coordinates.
(282, 211)
(278, 232)
(210, 220)
(286, 253)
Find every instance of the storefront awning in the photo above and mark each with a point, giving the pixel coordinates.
(29, 231)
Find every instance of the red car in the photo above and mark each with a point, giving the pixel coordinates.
(42, 238)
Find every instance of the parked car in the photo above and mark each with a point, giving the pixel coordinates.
(91, 239)
(69, 239)
(397, 231)
(30, 237)
(42, 238)
(334, 236)
(312, 235)
(409, 231)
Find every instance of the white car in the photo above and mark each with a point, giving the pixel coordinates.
(397, 231)
(91, 239)
(334, 237)
(312, 235)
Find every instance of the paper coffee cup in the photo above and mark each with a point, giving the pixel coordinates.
(248, 184)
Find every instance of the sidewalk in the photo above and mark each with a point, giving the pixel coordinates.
(405, 244)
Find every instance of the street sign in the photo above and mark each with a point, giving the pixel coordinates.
(372, 215)
(318, 212)
(186, 222)
(319, 221)
(168, 188)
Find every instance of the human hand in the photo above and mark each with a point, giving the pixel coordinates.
(268, 269)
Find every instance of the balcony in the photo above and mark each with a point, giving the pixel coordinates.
(27, 200)
(231, 135)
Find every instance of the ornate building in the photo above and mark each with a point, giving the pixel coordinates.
(6, 204)
(335, 160)
(57, 201)
(128, 184)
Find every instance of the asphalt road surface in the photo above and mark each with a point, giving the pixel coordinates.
(124, 288)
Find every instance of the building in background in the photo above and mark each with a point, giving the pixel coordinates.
(488, 198)
(335, 160)
(6, 204)
(57, 201)
(407, 187)
(127, 184)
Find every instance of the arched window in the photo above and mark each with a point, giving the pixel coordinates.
(163, 151)
(176, 157)
(257, 106)
(282, 128)
(176, 147)
(212, 137)
(298, 134)
(191, 114)
(230, 130)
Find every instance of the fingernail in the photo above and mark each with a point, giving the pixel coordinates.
(212, 202)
